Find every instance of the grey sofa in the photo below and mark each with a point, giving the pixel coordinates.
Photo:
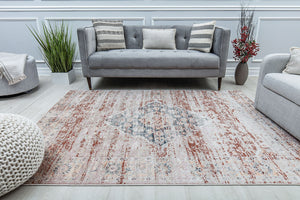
(146, 63)
(278, 94)
(32, 80)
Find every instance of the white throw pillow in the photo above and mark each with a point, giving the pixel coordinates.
(202, 36)
(293, 66)
(159, 38)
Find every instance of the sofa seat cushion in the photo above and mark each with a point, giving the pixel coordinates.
(153, 59)
(286, 85)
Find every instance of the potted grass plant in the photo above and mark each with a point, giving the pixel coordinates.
(58, 51)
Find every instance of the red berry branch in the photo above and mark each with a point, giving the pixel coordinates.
(245, 47)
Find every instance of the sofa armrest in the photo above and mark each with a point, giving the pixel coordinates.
(273, 63)
(220, 47)
(87, 46)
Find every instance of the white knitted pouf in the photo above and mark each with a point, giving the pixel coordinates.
(21, 151)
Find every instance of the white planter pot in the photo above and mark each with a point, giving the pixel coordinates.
(63, 78)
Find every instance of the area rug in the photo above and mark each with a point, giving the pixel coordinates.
(186, 137)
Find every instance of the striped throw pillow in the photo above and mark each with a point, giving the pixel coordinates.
(202, 36)
(110, 34)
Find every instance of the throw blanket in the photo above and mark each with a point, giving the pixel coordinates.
(12, 67)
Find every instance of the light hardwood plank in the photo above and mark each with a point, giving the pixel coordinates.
(36, 104)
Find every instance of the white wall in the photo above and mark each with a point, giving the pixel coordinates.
(278, 22)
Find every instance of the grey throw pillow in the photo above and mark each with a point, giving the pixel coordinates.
(159, 38)
(293, 66)
(202, 36)
(110, 34)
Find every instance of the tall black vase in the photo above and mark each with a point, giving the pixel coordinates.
(241, 73)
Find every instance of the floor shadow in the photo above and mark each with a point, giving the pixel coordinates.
(154, 83)
(4, 97)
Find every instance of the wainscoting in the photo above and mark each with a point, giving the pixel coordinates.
(278, 26)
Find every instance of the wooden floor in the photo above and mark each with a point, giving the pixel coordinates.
(37, 102)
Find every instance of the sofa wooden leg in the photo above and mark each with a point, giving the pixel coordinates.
(219, 83)
(89, 82)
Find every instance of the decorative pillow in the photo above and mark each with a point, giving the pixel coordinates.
(110, 34)
(293, 66)
(202, 36)
(159, 38)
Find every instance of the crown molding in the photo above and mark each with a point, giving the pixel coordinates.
(142, 8)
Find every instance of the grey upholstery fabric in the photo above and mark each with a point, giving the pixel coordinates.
(27, 84)
(153, 59)
(182, 37)
(134, 40)
(87, 46)
(157, 73)
(134, 36)
(276, 106)
(286, 85)
(220, 47)
(273, 63)
(281, 110)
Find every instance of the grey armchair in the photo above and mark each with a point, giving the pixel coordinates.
(278, 94)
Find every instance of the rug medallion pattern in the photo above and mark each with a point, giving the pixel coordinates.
(158, 123)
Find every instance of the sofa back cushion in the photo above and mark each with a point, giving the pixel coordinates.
(134, 36)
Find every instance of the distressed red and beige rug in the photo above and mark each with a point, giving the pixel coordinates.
(164, 137)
